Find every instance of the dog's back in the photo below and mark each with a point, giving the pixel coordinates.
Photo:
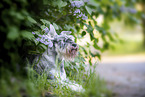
(45, 63)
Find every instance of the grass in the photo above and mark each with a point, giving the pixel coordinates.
(17, 86)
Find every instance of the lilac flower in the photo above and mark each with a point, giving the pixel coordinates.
(38, 39)
(39, 35)
(122, 8)
(86, 0)
(127, 9)
(46, 30)
(81, 15)
(45, 40)
(84, 17)
(41, 40)
(77, 11)
(131, 10)
(33, 33)
(77, 4)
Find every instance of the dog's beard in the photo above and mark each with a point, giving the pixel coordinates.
(71, 52)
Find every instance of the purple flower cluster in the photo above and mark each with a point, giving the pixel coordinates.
(33, 33)
(131, 10)
(86, 0)
(77, 4)
(127, 9)
(44, 39)
(77, 11)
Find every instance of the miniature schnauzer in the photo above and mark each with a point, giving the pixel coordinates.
(52, 60)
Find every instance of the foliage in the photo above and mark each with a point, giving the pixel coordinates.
(15, 26)
(20, 18)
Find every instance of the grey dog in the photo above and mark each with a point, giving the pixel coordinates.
(52, 60)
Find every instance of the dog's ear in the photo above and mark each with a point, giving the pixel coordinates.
(52, 31)
(65, 32)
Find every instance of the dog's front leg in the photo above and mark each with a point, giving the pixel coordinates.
(62, 71)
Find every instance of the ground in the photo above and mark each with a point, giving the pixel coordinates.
(125, 75)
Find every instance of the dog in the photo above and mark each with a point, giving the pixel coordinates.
(52, 60)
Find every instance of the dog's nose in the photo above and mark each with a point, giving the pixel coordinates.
(74, 44)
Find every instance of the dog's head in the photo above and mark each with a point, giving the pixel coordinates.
(64, 43)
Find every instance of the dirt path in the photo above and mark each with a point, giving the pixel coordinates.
(125, 75)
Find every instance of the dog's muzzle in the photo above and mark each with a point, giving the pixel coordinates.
(72, 52)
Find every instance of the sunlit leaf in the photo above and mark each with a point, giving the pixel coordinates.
(89, 10)
(55, 26)
(90, 62)
(43, 27)
(31, 19)
(84, 50)
(45, 21)
(43, 46)
(27, 34)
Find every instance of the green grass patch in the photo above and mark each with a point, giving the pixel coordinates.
(17, 86)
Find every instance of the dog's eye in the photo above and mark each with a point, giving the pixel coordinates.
(68, 40)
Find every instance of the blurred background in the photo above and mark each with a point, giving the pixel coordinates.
(123, 64)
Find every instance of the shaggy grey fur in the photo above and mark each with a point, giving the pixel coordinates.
(52, 60)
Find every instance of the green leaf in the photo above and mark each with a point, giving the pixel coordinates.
(96, 46)
(100, 29)
(98, 55)
(89, 28)
(89, 10)
(35, 41)
(45, 2)
(43, 46)
(19, 16)
(92, 36)
(31, 19)
(90, 62)
(55, 26)
(13, 33)
(83, 33)
(106, 26)
(37, 33)
(59, 3)
(45, 21)
(27, 34)
(110, 35)
(43, 27)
